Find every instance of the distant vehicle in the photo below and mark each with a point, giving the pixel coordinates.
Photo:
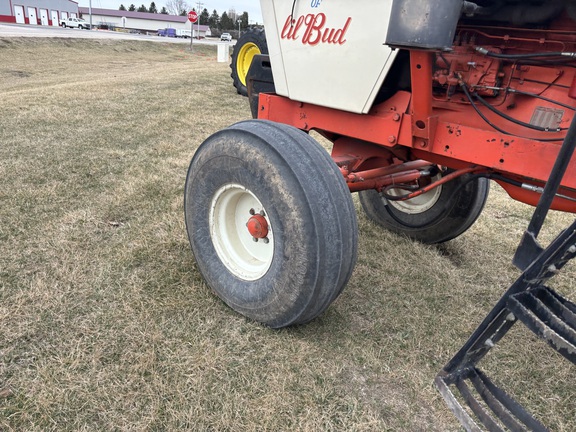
(226, 37)
(167, 32)
(187, 34)
(75, 23)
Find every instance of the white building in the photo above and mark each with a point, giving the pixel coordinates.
(37, 12)
(142, 21)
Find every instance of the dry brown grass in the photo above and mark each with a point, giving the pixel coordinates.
(105, 323)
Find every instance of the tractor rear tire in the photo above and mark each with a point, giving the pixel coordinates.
(271, 222)
(251, 43)
(434, 217)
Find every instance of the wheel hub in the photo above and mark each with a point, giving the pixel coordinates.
(245, 56)
(246, 248)
(417, 205)
(257, 227)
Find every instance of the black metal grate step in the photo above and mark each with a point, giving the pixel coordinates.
(550, 316)
(493, 407)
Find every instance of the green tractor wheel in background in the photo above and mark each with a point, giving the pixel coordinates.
(251, 43)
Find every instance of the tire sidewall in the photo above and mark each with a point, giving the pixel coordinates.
(457, 208)
(258, 38)
(259, 299)
(446, 204)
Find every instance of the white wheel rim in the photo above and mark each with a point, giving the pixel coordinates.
(232, 207)
(418, 204)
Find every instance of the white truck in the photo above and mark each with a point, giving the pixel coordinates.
(75, 23)
(181, 33)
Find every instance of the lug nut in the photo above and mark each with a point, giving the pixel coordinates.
(266, 240)
(262, 213)
(255, 239)
(252, 211)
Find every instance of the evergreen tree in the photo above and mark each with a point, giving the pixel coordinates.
(152, 8)
(214, 20)
(244, 20)
(225, 22)
(204, 17)
(164, 11)
(132, 8)
(142, 8)
(122, 7)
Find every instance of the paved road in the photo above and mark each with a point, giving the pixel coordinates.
(24, 30)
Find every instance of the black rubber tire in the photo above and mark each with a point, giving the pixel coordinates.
(251, 36)
(457, 207)
(309, 208)
(64, 25)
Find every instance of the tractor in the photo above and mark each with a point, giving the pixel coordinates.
(424, 102)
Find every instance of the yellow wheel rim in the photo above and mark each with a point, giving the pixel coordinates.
(244, 60)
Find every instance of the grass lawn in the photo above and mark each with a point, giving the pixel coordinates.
(106, 324)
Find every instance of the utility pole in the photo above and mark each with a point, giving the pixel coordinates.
(199, 12)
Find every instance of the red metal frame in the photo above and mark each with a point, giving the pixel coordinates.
(406, 127)
(389, 127)
(436, 121)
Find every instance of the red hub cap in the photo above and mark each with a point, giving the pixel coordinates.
(257, 226)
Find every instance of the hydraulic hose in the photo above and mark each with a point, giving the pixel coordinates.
(488, 53)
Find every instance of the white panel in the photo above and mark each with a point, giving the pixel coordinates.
(63, 15)
(54, 18)
(331, 53)
(19, 14)
(32, 18)
(44, 17)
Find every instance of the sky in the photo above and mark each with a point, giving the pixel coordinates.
(250, 6)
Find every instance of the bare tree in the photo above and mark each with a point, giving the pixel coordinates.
(177, 7)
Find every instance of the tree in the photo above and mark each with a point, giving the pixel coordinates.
(132, 8)
(214, 20)
(142, 8)
(152, 8)
(225, 22)
(122, 7)
(204, 17)
(164, 11)
(244, 20)
(177, 7)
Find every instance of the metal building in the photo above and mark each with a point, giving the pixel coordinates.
(141, 21)
(37, 12)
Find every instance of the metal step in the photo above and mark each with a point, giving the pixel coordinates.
(492, 406)
(550, 316)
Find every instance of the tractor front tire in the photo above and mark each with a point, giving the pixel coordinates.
(251, 43)
(434, 217)
(270, 221)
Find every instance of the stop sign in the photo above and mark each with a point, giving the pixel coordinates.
(192, 16)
